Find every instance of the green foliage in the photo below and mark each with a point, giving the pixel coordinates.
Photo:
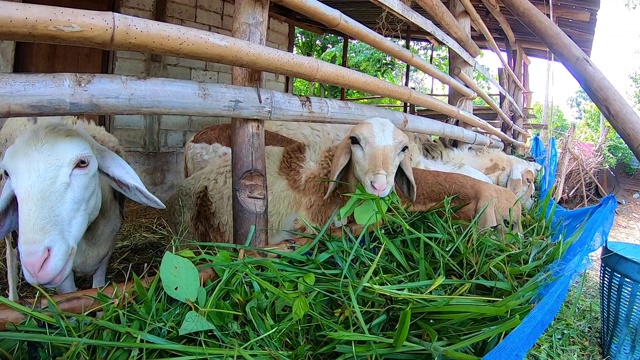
(421, 285)
(588, 130)
(559, 123)
(635, 80)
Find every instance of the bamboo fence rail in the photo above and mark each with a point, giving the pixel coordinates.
(335, 19)
(93, 94)
(112, 31)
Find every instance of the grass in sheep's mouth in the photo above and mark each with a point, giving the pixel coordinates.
(422, 285)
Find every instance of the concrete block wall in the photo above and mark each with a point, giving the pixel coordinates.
(156, 142)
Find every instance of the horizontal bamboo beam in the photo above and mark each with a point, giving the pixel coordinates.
(113, 31)
(443, 16)
(406, 13)
(494, 8)
(614, 107)
(475, 17)
(92, 94)
(336, 20)
(458, 72)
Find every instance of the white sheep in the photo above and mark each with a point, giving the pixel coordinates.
(504, 170)
(370, 154)
(297, 174)
(197, 150)
(70, 181)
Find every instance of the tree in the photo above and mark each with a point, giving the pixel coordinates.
(635, 95)
(559, 122)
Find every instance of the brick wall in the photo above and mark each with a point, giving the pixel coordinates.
(171, 132)
(155, 143)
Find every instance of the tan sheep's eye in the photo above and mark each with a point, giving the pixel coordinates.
(354, 141)
(82, 163)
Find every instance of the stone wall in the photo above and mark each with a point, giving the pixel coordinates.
(155, 142)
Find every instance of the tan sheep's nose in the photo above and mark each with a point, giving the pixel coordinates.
(34, 262)
(379, 185)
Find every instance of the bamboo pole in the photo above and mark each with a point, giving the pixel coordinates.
(407, 14)
(463, 20)
(335, 19)
(494, 8)
(475, 17)
(458, 72)
(107, 30)
(619, 113)
(94, 94)
(248, 166)
(445, 18)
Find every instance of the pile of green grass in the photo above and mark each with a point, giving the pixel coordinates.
(423, 285)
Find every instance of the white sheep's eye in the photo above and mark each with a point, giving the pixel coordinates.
(6, 174)
(354, 141)
(404, 149)
(82, 163)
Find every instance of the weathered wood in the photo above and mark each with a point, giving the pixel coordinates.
(564, 162)
(77, 94)
(248, 165)
(335, 19)
(518, 91)
(492, 104)
(291, 42)
(494, 8)
(405, 13)
(570, 12)
(407, 70)
(136, 34)
(482, 27)
(345, 54)
(615, 108)
(447, 20)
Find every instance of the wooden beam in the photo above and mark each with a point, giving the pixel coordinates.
(615, 108)
(313, 29)
(407, 72)
(475, 17)
(462, 19)
(248, 173)
(574, 14)
(405, 13)
(494, 8)
(93, 94)
(443, 16)
(335, 19)
(291, 42)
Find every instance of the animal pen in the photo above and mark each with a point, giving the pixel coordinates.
(131, 77)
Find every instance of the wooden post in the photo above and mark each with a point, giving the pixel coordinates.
(614, 107)
(249, 181)
(518, 120)
(455, 61)
(288, 86)
(504, 127)
(345, 53)
(407, 73)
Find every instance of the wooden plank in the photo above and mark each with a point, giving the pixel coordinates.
(494, 9)
(74, 94)
(572, 13)
(447, 20)
(345, 53)
(248, 172)
(620, 114)
(288, 86)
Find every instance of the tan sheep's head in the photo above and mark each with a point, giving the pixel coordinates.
(377, 152)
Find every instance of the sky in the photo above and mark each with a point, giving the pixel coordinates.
(615, 52)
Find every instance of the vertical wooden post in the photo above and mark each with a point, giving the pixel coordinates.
(345, 53)
(455, 98)
(288, 86)
(518, 94)
(249, 179)
(504, 105)
(407, 72)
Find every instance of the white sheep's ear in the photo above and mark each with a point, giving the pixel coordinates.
(8, 210)
(514, 182)
(404, 179)
(341, 157)
(123, 178)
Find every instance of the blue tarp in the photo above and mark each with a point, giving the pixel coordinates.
(595, 221)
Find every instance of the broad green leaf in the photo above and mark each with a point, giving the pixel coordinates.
(186, 253)
(309, 278)
(300, 307)
(180, 278)
(368, 212)
(194, 322)
(202, 296)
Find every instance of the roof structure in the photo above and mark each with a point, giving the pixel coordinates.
(577, 18)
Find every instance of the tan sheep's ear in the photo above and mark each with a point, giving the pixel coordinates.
(341, 157)
(514, 183)
(528, 176)
(404, 179)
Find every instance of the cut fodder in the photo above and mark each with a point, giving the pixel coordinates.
(420, 285)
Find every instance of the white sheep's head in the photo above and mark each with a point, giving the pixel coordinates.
(521, 182)
(377, 151)
(52, 193)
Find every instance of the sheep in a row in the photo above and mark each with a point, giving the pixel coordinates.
(373, 153)
(197, 150)
(70, 179)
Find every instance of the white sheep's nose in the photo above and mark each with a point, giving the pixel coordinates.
(34, 262)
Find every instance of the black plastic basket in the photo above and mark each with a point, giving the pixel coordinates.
(620, 300)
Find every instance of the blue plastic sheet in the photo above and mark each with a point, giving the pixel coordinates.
(591, 224)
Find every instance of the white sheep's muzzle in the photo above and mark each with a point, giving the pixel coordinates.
(47, 266)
